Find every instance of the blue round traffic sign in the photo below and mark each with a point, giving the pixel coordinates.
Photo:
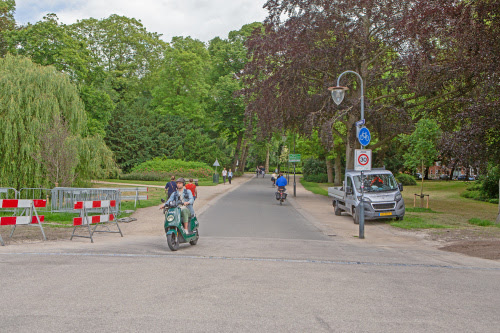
(364, 136)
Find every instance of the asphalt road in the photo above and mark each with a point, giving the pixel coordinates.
(258, 267)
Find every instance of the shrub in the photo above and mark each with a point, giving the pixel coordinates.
(405, 179)
(489, 184)
(313, 166)
(319, 178)
(151, 176)
(161, 169)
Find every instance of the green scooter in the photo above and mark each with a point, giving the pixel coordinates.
(174, 228)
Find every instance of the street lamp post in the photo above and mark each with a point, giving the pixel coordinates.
(338, 93)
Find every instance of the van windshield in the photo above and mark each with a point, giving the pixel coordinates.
(377, 183)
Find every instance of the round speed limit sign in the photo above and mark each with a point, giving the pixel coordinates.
(363, 160)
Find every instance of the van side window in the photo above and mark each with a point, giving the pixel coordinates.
(349, 182)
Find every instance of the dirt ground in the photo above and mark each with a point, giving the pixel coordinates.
(482, 242)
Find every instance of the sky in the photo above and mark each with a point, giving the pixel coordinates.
(200, 19)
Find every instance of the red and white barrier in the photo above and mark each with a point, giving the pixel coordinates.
(22, 203)
(17, 220)
(28, 216)
(95, 204)
(86, 220)
(93, 219)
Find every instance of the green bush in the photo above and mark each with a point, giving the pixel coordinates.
(161, 169)
(489, 184)
(150, 176)
(313, 166)
(405, 179)
(471, 194)
(319, 178)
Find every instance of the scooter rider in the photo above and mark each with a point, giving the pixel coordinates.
(281, 182)
(186, 197)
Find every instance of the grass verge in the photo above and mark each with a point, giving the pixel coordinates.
(314, 187)
(415, 222)
(419, 210)
(483, 223)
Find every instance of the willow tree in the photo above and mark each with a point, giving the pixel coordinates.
(32, 98)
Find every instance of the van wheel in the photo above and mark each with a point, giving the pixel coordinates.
(338, 211)
(355, 216)
(399, 218)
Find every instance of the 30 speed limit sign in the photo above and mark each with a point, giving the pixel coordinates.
(362, 159)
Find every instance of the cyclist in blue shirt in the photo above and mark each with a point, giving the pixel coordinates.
(281, 181)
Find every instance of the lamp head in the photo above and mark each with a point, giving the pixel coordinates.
(338, 93)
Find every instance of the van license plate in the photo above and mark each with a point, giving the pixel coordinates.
(385, 214)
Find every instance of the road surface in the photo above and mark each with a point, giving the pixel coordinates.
(258, 267)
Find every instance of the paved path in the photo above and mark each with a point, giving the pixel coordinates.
(259, 267)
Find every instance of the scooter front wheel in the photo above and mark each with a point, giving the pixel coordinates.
(173, 241)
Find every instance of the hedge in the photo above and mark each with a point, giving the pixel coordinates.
(318, 178)
(161, 169)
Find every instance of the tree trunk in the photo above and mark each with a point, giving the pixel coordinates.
(498, 216)
(237, 151)
(244, 156)
(351, 142)
(422, 187)
(329, 169)
(267, 161)
(338, 169)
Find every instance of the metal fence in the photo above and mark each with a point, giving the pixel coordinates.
(37, 193)
(9, 193)
(64, 198)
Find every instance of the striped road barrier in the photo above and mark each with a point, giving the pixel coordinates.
(87, 220)
(28, 216)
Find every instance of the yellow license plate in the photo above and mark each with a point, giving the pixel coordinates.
(385, 214)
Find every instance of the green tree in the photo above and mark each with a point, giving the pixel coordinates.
(7, 22)
(422, 148)
(124, 49)
(48, 42)
(182, 88)
(31, 97)
(229, 57)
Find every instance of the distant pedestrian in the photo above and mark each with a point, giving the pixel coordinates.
(230, 176)
(224, 175)
(257, 171)
(171, 187)
(192, 187)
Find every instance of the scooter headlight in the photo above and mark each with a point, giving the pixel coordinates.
(170, 218)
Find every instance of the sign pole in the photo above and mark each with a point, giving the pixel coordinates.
(294, 185)
(362, 163)
(362, 210)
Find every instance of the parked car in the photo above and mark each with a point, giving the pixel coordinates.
(464, 177)
(418, 175)
(444, 177)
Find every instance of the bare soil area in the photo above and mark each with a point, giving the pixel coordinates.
(482, 242)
